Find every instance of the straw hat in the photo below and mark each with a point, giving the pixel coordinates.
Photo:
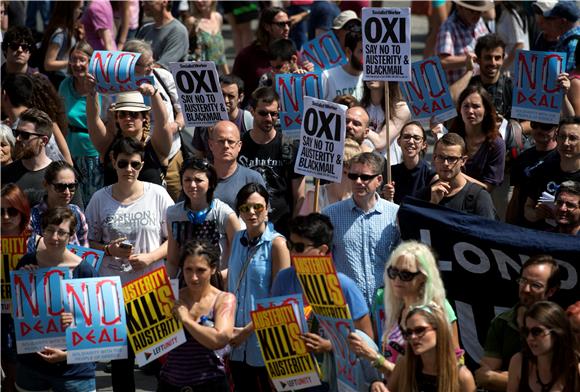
(476, 5)
(131, 101)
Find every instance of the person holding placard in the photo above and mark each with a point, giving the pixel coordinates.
(45, 370)
(258, 253)
(207, 314)
(430, 363)
(131, 119)
(74, 92)
(15, 214)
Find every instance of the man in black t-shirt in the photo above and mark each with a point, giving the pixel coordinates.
(560, 167)
(266, 150)
(452, 189)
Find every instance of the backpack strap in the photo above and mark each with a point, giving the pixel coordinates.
(470, 199)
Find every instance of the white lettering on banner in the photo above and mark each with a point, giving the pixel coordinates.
(482, 263)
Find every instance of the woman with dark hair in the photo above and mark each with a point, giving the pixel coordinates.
(199, 214)
(254, 60)
(258, 253)
(430, 364)
(59, 37)
(130, 117)
(127, 220)
(547, 361)
(74, 93)
(477, 124)
(413, 173)
(15, 212)
(60, 184)
(207, 314)
(46, 369)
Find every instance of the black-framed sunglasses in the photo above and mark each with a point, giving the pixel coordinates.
(10, 211)
(405, 276)
(364, 177)
(61, 187)
(282, 24)
(265, 113)
(24, 135)
(247, 207)
(298, 247)
(123, 163)
(196, 164)
(535, 331)
(17, 45)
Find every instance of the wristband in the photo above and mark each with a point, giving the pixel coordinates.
(379, 362)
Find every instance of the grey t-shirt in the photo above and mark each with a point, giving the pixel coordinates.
(227, 188)
(169, 43)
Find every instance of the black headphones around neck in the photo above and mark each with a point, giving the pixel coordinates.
(251, 243)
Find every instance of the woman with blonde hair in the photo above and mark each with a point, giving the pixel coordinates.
(411, 279)
(430, 364)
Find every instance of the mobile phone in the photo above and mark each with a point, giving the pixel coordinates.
(125, 245)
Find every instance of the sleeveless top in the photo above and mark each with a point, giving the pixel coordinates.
(425, 382)
(152, 171)
(192, 363)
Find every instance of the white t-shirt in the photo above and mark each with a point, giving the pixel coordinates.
(336, 81)
(143, 223)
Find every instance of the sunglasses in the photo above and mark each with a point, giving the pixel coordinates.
(60, 187)
(405, 276)
(10, 211)
(257, 207)
(123, 114)
(197, 164)
(535, 331)
(17, 45)
(364, 177)
(282, 24)
(123, 163)
(419, 332)
(298, 247)
(24, 135)
(265, 113)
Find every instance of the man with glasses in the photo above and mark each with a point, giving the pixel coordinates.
(365, 226)
(225, 145)
(556, 168)
(458, 34)
(267, 151)
(32, 135)
(452, 189)
(17, 48)
(539, 280)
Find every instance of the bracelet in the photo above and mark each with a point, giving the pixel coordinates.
(107, 251)
(379, 362)
(155, 91)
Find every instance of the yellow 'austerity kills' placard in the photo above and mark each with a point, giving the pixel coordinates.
(13, 248)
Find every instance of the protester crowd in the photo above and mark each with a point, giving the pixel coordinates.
(223, 209)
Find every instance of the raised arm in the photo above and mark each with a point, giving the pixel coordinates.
(162, 137)
(97, 129)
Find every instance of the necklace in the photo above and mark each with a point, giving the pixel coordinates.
(544, 387)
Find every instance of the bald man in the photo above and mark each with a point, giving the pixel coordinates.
(357, 127)
(225, 144)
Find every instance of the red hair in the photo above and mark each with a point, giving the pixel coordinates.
(14, 195)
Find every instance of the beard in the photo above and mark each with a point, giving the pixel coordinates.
(356, 63)
(22, 151)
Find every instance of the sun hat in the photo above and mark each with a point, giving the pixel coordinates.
(343, 18)
(131, 101)
(476, 5)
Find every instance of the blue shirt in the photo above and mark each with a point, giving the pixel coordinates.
(254, 284)
(568, 46)
(363, 241)
(287, 283)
